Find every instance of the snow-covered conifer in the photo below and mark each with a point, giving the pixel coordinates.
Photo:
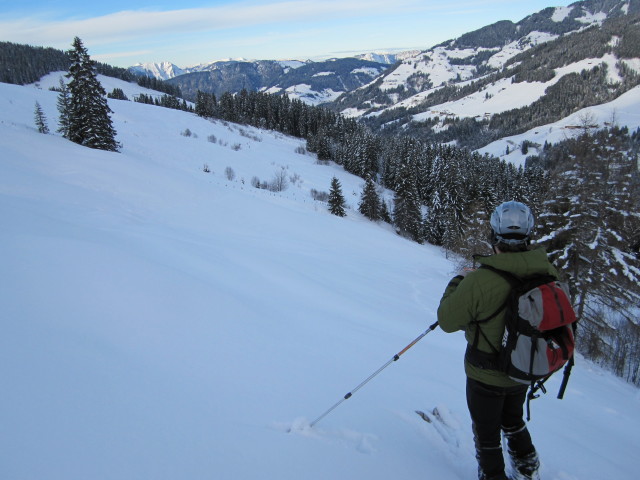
(336, 199)
(370, 201)
(40, 119)
(89, 113)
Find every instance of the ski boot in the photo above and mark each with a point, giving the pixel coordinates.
(526, 468)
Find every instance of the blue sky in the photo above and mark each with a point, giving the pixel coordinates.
(190, 32)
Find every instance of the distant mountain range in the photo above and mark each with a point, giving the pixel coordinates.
(313, 82)
(168, 70)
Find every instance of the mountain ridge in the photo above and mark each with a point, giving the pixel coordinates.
(416, 96)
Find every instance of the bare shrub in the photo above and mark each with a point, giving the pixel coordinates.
(295, 178)
(229, 173)
(319, 196)
(249, 135)
(279, 182)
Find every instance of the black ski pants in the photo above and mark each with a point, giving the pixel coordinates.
(495, 409)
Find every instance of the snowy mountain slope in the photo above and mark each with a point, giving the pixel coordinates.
(161, 71)
(624, 110)
(505, 95)
(162, 322)
(312, 82)
(323, 82)
(167, 70)
(504, 67)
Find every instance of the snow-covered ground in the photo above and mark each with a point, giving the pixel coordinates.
(307, 94)
(623, 111)
(160, 322)
(504, 95)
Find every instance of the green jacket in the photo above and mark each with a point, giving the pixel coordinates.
(480, 294)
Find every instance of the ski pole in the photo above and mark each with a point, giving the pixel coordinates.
(395, 358)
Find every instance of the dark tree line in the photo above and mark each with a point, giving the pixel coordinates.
(166, 101)
(24, 64)
(153, 83)
(273, 112)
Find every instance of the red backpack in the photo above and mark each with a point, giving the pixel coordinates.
(539, 332)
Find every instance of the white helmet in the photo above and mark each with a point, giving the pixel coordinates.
(511, 223)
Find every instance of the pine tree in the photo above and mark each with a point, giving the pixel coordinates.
(40, 119)
(89, 114)
(227, 107)
(64, 109)
(370, 201)
(336, 199)
(205, 104)
(385, 215)
(117, 94)
(434, 221)
(407, 212)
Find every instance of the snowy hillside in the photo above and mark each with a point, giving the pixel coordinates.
(506, 95)
(624, 110)
(539, 71)
(160, 322)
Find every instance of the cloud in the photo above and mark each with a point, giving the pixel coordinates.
(131, 54)
(252, 29)
(126, 25)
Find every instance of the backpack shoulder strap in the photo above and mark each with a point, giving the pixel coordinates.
(513, 281)
(510, 277)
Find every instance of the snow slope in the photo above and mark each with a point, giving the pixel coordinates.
(160, 322)
(623, 111)
(504, 95)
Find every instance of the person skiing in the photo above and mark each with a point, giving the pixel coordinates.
(495, 401)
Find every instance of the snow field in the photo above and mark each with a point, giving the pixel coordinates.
(162, 322)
